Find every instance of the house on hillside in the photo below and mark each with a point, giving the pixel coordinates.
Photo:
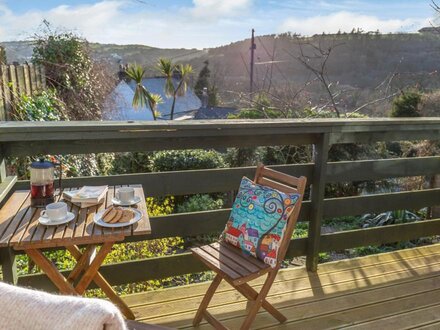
(118, 105)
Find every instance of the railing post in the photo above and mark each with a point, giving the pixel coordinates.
(317, 199)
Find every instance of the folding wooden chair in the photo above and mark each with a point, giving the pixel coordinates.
(237, 268)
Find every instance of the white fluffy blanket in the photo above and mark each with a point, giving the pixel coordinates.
(22, 308)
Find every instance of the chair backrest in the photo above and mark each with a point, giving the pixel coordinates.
(287, 184)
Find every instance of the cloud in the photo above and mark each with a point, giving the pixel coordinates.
(205, 23)
(218, 8)
(197, 24)
(346, 21)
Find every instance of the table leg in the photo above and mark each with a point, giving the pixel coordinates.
(105, 286)
(82, 263)
(92, 269)
(51, 271)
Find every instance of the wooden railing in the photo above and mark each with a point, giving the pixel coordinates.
(20, 138)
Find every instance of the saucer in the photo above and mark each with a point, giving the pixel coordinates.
(47, 222)
(118, 202)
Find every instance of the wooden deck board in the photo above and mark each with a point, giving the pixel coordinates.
(391, 290)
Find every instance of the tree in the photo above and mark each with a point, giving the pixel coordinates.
(142, 97)
(172, 71)
(204, 81)
(81, 83)
(406, 105)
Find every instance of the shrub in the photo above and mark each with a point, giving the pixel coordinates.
(200, 203)
(406, 105)
(175, 160)
(81, 83)
(131, 162)
(42, 106)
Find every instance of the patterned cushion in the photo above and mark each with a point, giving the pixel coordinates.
(258, 220)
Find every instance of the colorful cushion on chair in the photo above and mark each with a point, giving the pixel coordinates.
(258, 220)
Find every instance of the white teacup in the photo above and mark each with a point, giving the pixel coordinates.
(125, 194)
(55, 211)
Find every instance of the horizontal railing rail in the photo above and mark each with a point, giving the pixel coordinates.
(18, 139)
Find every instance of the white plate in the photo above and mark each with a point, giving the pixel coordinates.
(118, 202)
(47, 222)
(98, 220)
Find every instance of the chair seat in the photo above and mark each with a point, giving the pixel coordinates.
(231, 262)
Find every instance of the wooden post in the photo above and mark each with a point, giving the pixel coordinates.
(20, 80)
(37, 76)
(43, 76)
(33, 78)
(6, 91)
(2, 105)
(9, 265)
(317, 198)
(27, 79)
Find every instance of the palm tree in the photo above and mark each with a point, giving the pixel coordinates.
(169, 69)
(142, 97)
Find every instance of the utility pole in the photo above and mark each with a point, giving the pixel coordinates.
(253, 47)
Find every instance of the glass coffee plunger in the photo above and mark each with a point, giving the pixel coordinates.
(42, 182)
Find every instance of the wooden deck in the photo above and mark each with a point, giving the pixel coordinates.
(397, 290)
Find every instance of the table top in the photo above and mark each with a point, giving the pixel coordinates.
(20, 229)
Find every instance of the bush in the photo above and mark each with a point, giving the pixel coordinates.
(81, 82)
(131, 162)
(407, 105)
(175, 160)
(42, 106)
(200, 203)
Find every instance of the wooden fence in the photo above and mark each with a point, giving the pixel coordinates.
(15, 80)
(21, 138)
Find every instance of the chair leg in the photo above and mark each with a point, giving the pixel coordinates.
(251, 294)
(258, 302)
(206, 300)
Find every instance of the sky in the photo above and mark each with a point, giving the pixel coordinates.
(207, 23)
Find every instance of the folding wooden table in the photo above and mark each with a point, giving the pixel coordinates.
(20, 229)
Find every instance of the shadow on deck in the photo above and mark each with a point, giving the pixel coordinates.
(394, 290)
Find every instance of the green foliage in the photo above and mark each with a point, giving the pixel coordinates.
(301, 230)
(41, 106)
(160, 206)
(176, 160)
(80, 82)
(343, 223)
(261, 109)
(406, 104)
(171, 71)
(142, 97)
(131, 162)
(200, 203)
(324, 257)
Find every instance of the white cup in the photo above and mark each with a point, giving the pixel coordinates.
(125, 194)
(55, 211)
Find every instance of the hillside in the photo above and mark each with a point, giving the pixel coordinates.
(359, 62)
(21, 51)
